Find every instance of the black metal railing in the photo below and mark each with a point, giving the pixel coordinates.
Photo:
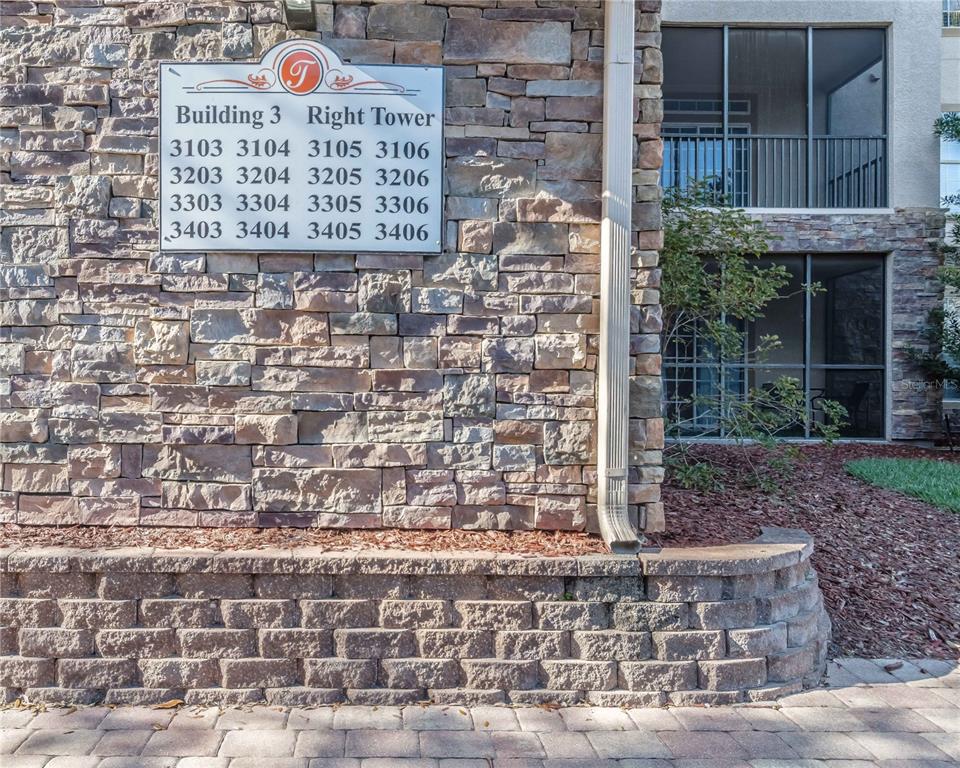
(781, 171)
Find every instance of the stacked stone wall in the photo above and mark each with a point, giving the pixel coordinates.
(343, 390)
(699, 626)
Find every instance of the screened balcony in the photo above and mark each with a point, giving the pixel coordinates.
(777, 118)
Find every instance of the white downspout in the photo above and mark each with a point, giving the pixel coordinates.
(614, 382)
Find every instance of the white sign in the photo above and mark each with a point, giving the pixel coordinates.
(300, 152)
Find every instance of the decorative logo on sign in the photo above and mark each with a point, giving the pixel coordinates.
(300, 72)
(301, 67)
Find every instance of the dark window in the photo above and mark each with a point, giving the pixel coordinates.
(768, 72)
(693, 106)
(847, 315)
(847, 348)
(783, 317)
(693, 94)
(848, 77)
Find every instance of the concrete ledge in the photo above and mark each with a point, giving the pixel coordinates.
(703, 625)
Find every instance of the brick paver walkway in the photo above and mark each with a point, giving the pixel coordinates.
(866, 717)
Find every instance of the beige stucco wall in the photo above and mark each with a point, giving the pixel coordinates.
(913, 60)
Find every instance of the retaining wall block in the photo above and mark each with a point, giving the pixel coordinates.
(229, 643)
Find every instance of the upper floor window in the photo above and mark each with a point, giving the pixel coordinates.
(951, 13)
(775, 118)
(950, 174)
(950, 194)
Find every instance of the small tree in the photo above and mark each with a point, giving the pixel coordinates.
(713, 286)
(941, 360)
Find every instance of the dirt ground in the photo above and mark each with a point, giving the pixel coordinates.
(889, 564)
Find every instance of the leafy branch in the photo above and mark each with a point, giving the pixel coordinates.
(940, 359)
(713, 285)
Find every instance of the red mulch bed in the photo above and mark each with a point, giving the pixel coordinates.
(532, 543)
(889, 564)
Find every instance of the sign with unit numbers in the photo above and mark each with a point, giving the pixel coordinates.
(300, 152)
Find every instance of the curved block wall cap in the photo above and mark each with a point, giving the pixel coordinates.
(774, 534)
(770, 534)
(789, 548)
